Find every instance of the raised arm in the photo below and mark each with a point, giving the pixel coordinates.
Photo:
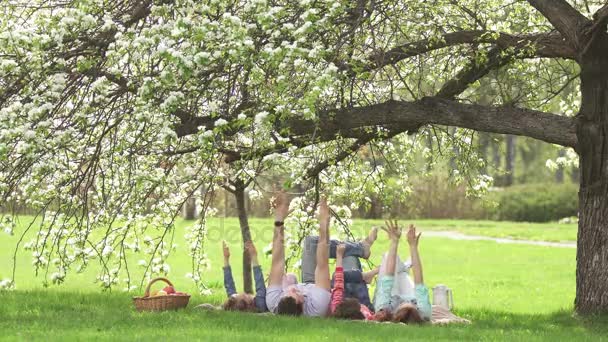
(421, 291)
(412, 240)
(228, 280)
(394, 234)
(386, 280)
(337, 293)
(281, 205)
(258, 276)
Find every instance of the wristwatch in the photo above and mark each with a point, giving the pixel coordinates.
(279, 223)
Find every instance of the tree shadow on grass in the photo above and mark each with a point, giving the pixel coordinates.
(564, 319)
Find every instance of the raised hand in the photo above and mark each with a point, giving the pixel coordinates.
(226, 251)
(280, 203)
(412, 238)
(250, 248)
(393, 230)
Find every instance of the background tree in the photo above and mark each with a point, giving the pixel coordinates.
(236, 184)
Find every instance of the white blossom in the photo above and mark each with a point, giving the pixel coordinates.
(220, 122)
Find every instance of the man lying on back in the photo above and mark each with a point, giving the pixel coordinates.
(310, 299)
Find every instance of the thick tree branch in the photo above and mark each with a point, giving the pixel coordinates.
(403, 116)
(550, 45)
(567, 20)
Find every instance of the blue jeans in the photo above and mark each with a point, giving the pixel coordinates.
(354, 251)
(354, 285)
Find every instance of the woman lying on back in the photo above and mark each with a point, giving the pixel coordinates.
(406, 307)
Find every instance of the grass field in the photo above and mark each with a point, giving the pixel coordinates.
(513, 292)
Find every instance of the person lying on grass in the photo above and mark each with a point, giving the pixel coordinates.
(403, 307)
(310, 299)
(355, 281)
(345, 308)
(355, 285)
(244, 301)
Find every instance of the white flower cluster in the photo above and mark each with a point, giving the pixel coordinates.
(7, 284)
(58, 277)
(7, 224)
(255, 195)
(196, 236)
(481, 185)
(570, 159)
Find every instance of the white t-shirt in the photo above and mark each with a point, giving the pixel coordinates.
(316, 299)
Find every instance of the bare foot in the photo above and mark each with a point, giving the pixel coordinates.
(369, 241)
(368, 276)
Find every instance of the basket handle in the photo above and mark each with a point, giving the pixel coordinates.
(147, 293)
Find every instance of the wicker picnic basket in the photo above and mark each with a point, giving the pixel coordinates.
(160, 303)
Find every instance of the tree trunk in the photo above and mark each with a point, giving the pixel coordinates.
(575, 175)
(496, 162)
(455, 150)
(190, 208)
(484, 141)
(226, 203)
(239, 195)
(429, 159)
(592, 147)
(510, 160)
(559, 173)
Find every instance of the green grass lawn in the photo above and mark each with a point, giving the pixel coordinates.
(514, 292)
(56, 316)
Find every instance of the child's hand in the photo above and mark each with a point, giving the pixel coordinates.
(226, 250)
(412, 238)
(250, 248)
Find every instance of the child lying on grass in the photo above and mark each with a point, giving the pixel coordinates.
(403, 307)
(244, 301)
(345, 308)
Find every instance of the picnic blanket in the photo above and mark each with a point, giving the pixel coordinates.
(207, 306)
(444, 316)
(440, 315)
